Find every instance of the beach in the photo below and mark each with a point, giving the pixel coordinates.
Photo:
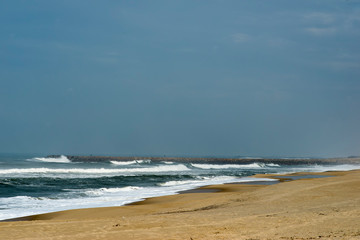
(173, 120)
(311, 207)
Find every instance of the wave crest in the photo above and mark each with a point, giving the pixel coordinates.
(165, 168)
(102, 191)
(61, 159)
(227, 166)
(124, 163)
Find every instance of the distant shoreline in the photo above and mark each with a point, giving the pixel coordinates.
(215, 160)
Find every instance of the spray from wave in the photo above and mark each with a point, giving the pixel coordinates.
(156, 169)
(240, 166)
(61, 159)
(167, 162)
(124, 163)
(103, 191)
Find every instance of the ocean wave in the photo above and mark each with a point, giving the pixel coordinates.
(123, 163)
(272, 165)
(177, 183)
(102, 191)
(227, 166)
(143, 161)
(164, 168)
(167, 162)
(325, 168)
(61, 159)
(200, 181)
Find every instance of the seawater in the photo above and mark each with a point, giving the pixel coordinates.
(34, 184)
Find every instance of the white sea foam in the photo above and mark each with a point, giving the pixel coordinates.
(156, 169)
(317, 168)
(103, 191)
(167, 162)
(123, 163)
(177, 183)
(272, 165)
(143, 161)
(325, 168)
(227, 166)
(61, 159)
(213, 180)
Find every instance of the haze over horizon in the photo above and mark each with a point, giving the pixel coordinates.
(196, 78)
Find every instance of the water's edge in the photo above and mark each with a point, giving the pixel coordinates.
(258, 179)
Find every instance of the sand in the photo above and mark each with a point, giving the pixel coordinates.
(308, 208)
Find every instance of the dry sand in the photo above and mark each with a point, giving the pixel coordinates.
(319, 208)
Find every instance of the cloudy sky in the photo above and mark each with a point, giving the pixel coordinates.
(189, 77)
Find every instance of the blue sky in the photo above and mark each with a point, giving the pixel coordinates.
(221, 78)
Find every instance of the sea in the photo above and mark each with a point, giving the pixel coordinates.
(36, 184)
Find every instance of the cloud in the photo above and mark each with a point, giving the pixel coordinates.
(352, 21)
(321, 31)
(279, 42)
(319, 17)
(344, 65)
(323, 24)
(240, 37)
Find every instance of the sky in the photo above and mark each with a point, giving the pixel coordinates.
(188, 78)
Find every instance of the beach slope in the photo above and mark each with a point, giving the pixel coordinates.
(307, 208)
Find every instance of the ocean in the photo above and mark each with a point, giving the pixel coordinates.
(36, 184)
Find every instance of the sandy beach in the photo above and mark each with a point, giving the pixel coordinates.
(306, 208)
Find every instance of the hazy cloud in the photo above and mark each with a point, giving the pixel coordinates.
(240, 37)
(345, 65)
(279, 42)
(321, 31)
(320, 17)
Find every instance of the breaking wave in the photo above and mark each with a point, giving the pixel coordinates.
(124, 163)
(61, 159)
(102, 191)
(167, 162)
(165, 168)
(241, 166)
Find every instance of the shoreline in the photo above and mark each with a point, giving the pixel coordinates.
(201, 189)
(277, 178)
(305, 208)
(189, 189)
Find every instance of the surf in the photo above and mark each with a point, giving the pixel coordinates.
(61, 159)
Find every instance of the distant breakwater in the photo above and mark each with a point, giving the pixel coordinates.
(285, 161)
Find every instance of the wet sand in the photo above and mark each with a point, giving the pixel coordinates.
(295, 208)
